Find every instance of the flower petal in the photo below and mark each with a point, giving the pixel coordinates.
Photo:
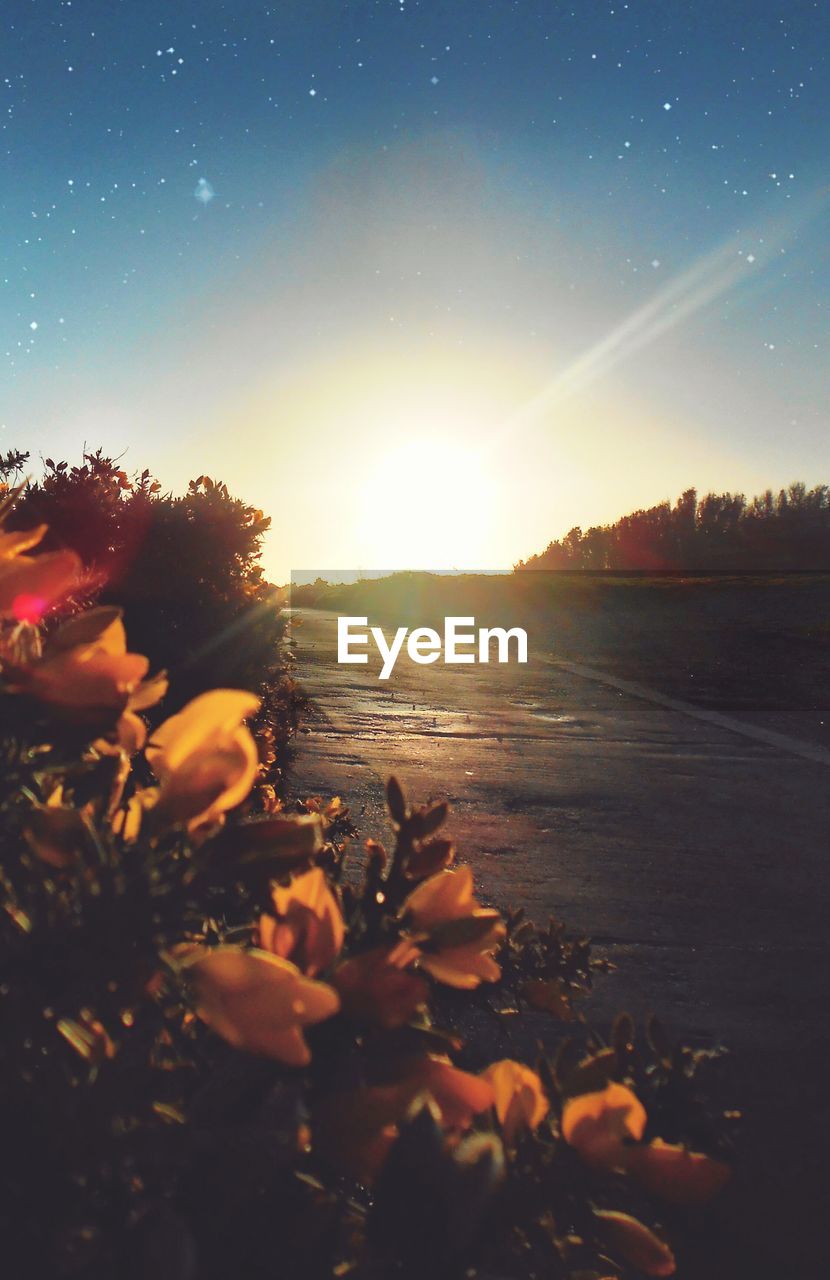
(459, 1094)
(149, 692)
(87, 679)
(519, 1099)
(675, 1174)
(445, 896)
(600, 1125)
(16, 541)
(100, 628)
(211, 715)
(258, 1002)
(635, 1242)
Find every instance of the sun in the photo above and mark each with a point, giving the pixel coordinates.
(428, 504)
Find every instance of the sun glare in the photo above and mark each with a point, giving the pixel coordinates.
(408, 455)
(429, 504)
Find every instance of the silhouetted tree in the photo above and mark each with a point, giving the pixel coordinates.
(185, 568)
(790, 531)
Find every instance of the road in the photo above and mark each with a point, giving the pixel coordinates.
(691, 847)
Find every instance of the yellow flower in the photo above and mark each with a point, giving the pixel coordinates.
(602, 1125)
(520, 1100)
(459, 1094)
(258, 1002)
(308, 928)
(445, 896)
(204, 757)
(456, 936)
(87, 674)
(354, 1129)
(377, 989)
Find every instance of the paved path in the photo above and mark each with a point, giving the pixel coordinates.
(693, 848)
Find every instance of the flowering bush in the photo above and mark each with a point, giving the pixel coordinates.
(230, 1047)
(184, 571)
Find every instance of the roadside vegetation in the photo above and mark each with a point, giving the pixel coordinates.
(234, 1042)
(183, 569)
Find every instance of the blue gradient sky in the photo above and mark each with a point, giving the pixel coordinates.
(569, 258)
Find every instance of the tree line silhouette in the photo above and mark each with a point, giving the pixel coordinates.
(787, 531)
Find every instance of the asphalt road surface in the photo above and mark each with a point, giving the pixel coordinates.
(691, 846)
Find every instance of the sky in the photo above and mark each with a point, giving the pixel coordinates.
(429, 282)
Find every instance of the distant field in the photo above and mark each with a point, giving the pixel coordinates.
(755, 646)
